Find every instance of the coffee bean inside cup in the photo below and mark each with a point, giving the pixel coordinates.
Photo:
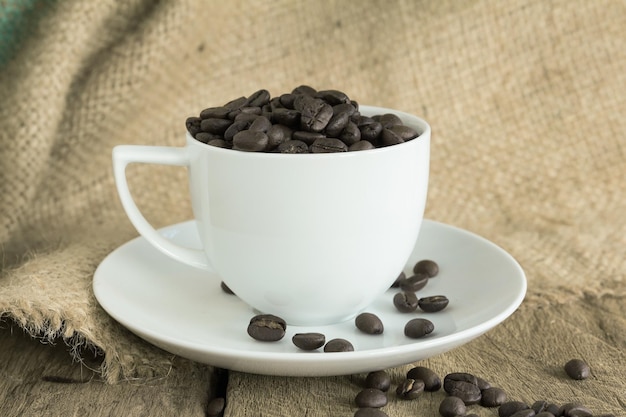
(325, 121)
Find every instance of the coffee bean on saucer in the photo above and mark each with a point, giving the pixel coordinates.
(414, 283)
(370, 412)
(432, 382)
(338, 345)
(427, 267)
(493, 397)
(378, 379)
(433, 303)
(371, 397)
(418, 328)
(309, 341)
(267, 328)
(452, 407)
(405, 301)
(410, 389)
(226, 289)
(369, 323)
(577, 369)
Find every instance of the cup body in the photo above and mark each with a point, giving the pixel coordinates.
(312, 238)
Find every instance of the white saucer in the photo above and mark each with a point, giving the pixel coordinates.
(184, 311)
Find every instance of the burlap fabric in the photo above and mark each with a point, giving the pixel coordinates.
(526, 99)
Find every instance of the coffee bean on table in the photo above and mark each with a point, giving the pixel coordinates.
(405, 301)
(511, 407)
(369, 323)
(267, 328)
(426, 266)
(482, 384)
(414, 283)
(338, 345)
(309, 341)
(378, 379)
(464, 386)
(410, 389)
(574, 410)
(452, 407)
(433, 303)
(577, 369)
(370, 412)
(432, 382)
(371, 397)
(493, 397)
(418, 328)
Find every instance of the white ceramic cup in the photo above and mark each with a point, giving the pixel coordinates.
(312, 238)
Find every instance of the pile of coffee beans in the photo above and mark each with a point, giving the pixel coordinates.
(303, 121)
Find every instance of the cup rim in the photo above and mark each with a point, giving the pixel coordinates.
(424, 129)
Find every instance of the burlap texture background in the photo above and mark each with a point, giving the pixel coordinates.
(526, 99)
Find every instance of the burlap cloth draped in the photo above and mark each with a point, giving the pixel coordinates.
(527, 102)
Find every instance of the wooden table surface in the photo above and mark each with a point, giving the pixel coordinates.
(38, 379)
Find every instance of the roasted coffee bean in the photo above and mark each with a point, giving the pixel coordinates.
(351, 134)
(432, 382)
(361, 145)
(369, 323)
(314, 113)
(226, 288)
(215, 126)
(396, 283)
(215, 407)
(345, 108)
(328, 145)
(338, 345)
(462, 385)
(404, 132)
(410, 389)
(574, 410)
(414, 283)
(524, 413)
(511, 407)
(482, 384)
(286, 100)
(418, 328)
(250, 141)
(215, 112)
(370, 412)
(287, 117)
(426, 266)
(371, 397)
(389, 138)
(293, 146)
(237, 126)
(260, 124)
(379, 380)
(577, 369)
(258, 99)
(333, 97)
(388, 120)
(304, 90)
(452, 407)
(193, 125)
(492, 397)
(309, 341)
(251, 110)
(278, 134)
(205, 137)
(220, 143)
(337, 123)
(405, 302)
(544, 414)
(267, 328)
(433, 303)
(236, 103)
(307, 137)
(371, 131)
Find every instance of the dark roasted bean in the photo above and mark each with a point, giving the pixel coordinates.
(371, 131)
(215, 126)
(524, 413)
(338, 345)
(337, 123)
(414, 283)
(544, 414)
(389, 138)
(370, 412)
(307, 137)
(492, 397)
(388, 120)
(462, 385)
(287, 117)
(361, 145)
(577, 369)
(236, 127)
(410, 389)
(328, 145)
(258, 98)
(250, 141)
(293, 146)
(193, 125)
(482, 384)
(309, 341)
(405, 132)
(369, 323)
(287, 100)
(260, 124)
(433, 303)
(236, 103)
(371, 397)
(426, 266)
(220, 143)
(379, 380)
(452, 407)
(405, 302)
(278, 134)
(333, 97)
(351, 134)
(418, 328)
(511, 407)
(215, 112)
(344, 108)
(267, 328)
(432, 382)
(314, 114)
(574, 410)
(304, 89)
(205, 137)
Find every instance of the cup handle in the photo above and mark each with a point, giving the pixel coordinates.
(165, 155)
